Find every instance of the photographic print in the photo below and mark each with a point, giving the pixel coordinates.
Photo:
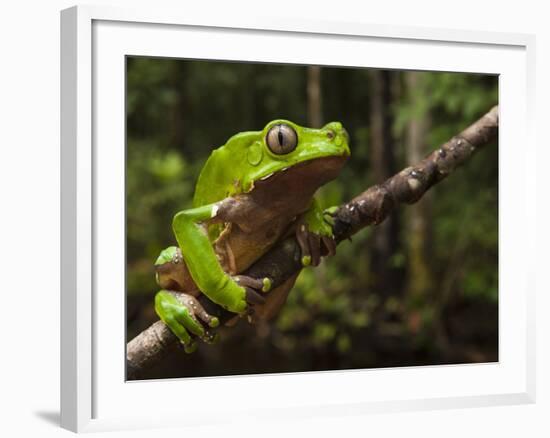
(293, 218)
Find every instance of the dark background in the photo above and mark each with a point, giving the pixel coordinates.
(419, 289)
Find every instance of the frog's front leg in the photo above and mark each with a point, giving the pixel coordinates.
(203, 265)
(314, 235)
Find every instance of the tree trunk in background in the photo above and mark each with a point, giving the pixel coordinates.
(384, 243)
(314, 97)
(180, 106)
(418, 217)
(315, 120)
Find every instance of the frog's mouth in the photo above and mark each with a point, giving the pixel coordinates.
(301, 179)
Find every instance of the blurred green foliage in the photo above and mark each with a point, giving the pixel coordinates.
(342, 314)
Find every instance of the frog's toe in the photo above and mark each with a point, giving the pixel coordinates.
(253, 288)
(328, 217)
(177, 328)
(263, 284)
(313, 246)
(211, 337)
(303, 243)
(329, 244)
(190, 347)
(314, 241)
(198, 310)
(253, 297)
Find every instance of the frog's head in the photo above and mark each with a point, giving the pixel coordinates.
(306, 156)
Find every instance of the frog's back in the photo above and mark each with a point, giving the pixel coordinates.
(212, 183)
(220, 177)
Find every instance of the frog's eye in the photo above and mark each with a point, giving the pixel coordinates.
(281, 139)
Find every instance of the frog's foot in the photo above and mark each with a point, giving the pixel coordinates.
(314, 245)
(254, 287)
(185, 316)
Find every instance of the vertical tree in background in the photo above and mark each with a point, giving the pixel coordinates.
(418, 216)
(314, 97)
(180, 104)
(384, 241)
(315, 120)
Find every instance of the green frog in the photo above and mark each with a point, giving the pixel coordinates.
(252, 192)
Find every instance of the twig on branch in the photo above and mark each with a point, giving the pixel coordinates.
(370, 207)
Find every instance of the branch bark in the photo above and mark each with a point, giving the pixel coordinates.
(369, 208)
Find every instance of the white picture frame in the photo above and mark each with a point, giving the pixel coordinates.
(94, 395)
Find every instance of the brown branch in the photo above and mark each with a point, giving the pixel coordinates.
(370, 207)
